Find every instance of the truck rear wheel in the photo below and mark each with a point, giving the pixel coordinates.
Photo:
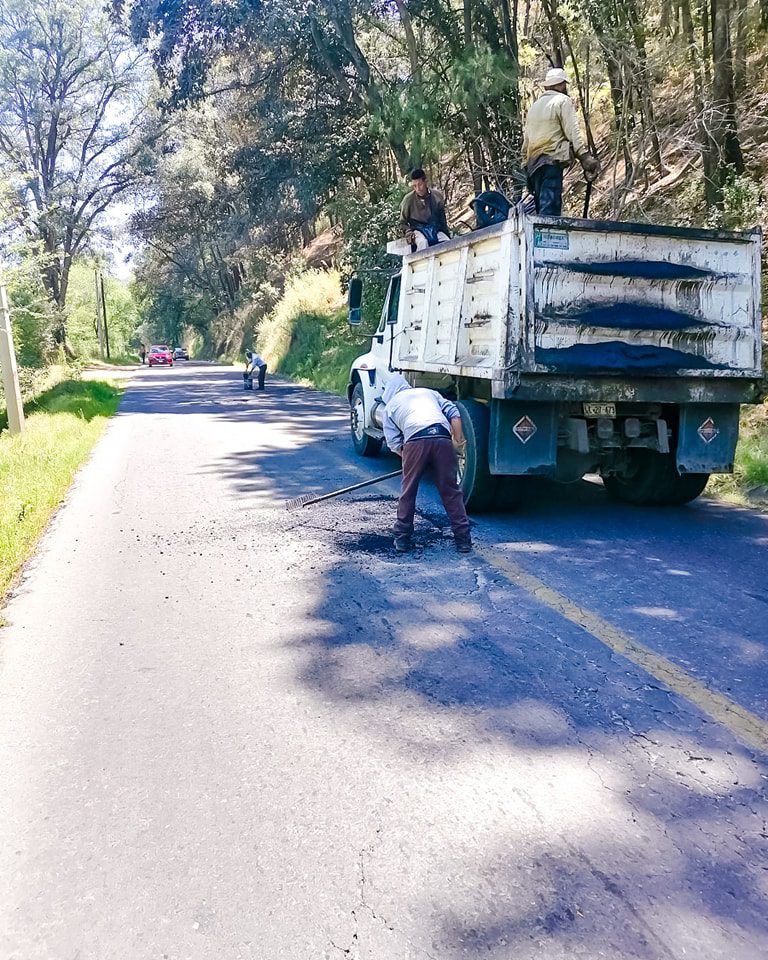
(652, 480)
(477, 482)
(365, 445)
(684, 488)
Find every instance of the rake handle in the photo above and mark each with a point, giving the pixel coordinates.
(355, 486)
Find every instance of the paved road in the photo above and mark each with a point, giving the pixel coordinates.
(228, 731)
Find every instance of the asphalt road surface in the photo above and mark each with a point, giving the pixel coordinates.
(233, 732)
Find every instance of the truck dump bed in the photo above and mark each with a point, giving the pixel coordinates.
(540, 295)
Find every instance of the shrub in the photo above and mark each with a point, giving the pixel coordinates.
(306, 337)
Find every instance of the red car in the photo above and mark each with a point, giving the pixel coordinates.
(160, 356)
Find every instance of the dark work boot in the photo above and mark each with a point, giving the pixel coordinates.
(464, 546)
(403, 544)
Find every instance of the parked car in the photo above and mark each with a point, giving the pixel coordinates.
(160, 356)
(180, 354)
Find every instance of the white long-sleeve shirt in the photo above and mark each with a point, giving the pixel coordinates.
(408, 410)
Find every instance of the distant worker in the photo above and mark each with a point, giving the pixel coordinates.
(422, 213)
(142, 352)
(423, 428)
(254, 363)
(551, 133)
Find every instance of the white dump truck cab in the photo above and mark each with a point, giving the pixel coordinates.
(371, 371)
(575, 346)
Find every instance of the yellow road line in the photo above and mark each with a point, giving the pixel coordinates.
(743, 724)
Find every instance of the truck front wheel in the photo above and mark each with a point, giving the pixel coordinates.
(477, 482)
(365, 445)
(652, 480)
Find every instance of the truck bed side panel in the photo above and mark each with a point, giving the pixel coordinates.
(459, 304)
(633, 301)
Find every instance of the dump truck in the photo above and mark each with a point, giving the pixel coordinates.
(574, 347)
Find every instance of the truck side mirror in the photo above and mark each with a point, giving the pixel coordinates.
(355, 301)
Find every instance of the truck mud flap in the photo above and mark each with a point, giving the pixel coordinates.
(523, 438)
(707, 437)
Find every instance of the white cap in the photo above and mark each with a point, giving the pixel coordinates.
(554, 77)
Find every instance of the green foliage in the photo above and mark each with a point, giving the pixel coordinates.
(369, 225)
(744, 204)
(749, 481)
(37, 467)
(32, 316)
(122, 312)
(751, 468)
(752, 460)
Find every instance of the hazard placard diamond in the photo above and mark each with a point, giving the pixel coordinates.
(524, 429)
(708, 430)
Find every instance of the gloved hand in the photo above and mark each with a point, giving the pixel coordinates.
(590, 164)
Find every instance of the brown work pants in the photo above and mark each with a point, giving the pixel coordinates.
(436, 455)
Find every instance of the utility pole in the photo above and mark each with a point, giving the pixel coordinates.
(8, 367)
(104, 320)
(99, 318)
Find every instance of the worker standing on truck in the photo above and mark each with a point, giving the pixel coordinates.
(551, 133)
(423, 428)
(422, 213)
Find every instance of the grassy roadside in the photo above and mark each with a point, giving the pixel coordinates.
(748, 484)
(37, 468)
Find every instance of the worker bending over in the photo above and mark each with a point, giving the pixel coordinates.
(422, 213)
(551, 133)
(422, 427)
(254, 363)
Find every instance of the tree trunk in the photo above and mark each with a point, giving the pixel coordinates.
(644, 83)
(553, 20)
(620, 101)
(581, 87)
(417, 147)
(740, 49)
(723, 99)
(467, 11)
(708, 146)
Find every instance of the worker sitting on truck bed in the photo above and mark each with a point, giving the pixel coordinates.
(422, 427)
(551, 133)
(422, 213)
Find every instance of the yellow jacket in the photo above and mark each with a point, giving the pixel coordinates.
(552, 129)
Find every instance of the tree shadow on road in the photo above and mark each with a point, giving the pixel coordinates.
(642, 836)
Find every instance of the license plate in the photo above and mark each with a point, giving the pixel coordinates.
(599, 409)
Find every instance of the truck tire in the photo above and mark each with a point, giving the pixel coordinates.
(365, 445)
(684, 488)
(477, 482)
(653, 480)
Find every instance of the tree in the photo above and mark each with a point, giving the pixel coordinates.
(70, 103)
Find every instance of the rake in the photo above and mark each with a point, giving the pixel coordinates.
(309, 498)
